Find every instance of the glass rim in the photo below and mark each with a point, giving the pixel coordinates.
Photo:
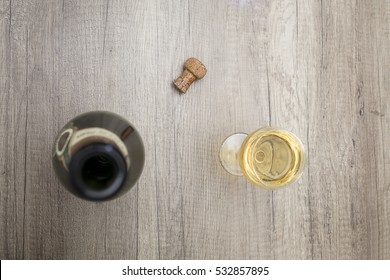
(261, 183)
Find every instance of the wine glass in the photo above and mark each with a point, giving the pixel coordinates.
(269, 157)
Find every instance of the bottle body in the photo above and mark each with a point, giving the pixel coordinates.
(98, 156)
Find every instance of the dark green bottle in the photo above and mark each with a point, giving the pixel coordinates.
(98, 156)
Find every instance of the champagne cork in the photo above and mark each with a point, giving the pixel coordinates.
(193, 70)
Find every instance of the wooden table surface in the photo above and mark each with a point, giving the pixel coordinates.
(318, 68)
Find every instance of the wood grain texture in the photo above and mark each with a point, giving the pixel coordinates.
(318, 68)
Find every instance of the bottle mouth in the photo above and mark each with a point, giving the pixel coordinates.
(97, 171)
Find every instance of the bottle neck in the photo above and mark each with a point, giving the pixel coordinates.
(87, 136)
(97, 170)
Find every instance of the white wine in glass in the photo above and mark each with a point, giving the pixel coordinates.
(270, 158)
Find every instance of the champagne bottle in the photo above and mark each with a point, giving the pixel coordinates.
(98, 156)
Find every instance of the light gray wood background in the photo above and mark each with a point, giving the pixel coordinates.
(318, 68)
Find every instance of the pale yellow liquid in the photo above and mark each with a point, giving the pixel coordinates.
(271, 158)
